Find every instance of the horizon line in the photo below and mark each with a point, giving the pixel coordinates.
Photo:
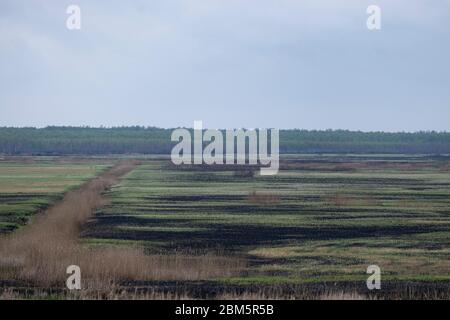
(222, 129)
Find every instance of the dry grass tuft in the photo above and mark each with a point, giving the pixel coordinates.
(341, 295)
(263, 199)
(343, 200)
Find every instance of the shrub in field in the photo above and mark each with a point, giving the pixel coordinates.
(263, 199)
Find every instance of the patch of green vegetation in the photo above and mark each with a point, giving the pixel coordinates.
(32, 184)
(322, 218)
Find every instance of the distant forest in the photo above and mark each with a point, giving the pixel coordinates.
(150, 140)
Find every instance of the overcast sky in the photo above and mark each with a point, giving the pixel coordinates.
(309, 64)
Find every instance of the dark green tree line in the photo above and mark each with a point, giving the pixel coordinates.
(151, 140)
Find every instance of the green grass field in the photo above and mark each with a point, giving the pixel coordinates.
(31, 184)
(321, 219)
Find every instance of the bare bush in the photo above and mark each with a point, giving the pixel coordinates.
(263, 199)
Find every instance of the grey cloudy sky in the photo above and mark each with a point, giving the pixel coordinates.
(231, 63)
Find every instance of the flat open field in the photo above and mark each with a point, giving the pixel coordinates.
(316, 226)
(31, 184)
(322, 219)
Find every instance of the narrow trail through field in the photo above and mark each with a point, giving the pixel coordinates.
(39, 253)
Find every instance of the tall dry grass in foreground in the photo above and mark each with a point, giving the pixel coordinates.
(273, 295)
(39, 254)
(117, 293)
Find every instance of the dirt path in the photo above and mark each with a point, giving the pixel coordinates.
(39, 254)
(41, 250)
